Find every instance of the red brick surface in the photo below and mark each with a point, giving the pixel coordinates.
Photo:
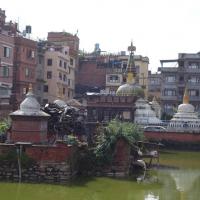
(173, 136)
(49, 153)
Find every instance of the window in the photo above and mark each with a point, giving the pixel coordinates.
(68, 81)
(46, 88)
(193, 92)
(29, 53)
(60, 63)
(6, 52)
(27, 72)
(65, 52)
(5, 71)
(65, 65)
(154, 81)
(49, 62)
(193, 65)
(193, 79)
(25, 90)
(64, 78)
(60, 75)
(170, 79)
(113, 79)
(49, 74)
(32, 54)
(63, 90)
(169, 92)
(71, 61)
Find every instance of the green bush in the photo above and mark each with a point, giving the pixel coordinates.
(106, 142)
(12, 158)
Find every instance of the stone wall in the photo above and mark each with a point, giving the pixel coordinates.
(45, 172)
(55, 163)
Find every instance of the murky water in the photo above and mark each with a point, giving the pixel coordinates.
(180, 182)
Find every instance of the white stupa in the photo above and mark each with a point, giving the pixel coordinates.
(144, 114)
(186, 119)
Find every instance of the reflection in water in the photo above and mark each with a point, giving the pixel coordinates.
(163, 184)
(184, 179)
(151, 197)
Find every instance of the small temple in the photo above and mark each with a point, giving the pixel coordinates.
(186, 119)
(144, 114)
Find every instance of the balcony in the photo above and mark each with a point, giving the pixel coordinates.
(170, 98)
(192, 98)
(192, 70)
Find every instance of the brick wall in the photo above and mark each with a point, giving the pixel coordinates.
(173, 136)
(49, 153)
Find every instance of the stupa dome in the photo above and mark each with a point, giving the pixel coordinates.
(185, 120)
(185, 108)
(29, 106)
(129, 90)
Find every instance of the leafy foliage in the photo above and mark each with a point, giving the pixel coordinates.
(106, 142)
(4, 126)
(11, 157)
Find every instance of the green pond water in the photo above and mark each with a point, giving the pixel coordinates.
(180, 182)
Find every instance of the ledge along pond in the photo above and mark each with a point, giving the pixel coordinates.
(177, 178)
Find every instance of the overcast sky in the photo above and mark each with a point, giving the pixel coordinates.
(160, 29)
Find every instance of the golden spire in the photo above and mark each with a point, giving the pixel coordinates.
(186, 96)
(131, 64)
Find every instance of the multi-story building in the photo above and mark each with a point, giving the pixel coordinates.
(154, 85)
(24, 67)
(7, 33)
(6, 72)
(69, 43)
(39, 86)
(57, 73)
(175, 79)
(106, 72)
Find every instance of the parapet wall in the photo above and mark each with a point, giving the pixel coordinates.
(177, 140)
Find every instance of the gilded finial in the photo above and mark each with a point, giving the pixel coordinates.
(30, 87)
(131, 65)
(186, 96)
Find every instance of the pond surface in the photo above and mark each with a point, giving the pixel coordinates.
(180, 181)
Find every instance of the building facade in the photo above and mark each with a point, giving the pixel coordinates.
(98, 72)
(7, 32)
(6, 72)
(154, 85)
(39, 86)
(66, 40)
(57, 71)
(175, 79)
(24, 68)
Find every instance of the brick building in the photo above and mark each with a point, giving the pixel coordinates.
(106, 106)
(25, 68)
(106, 72)
(7, 32)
